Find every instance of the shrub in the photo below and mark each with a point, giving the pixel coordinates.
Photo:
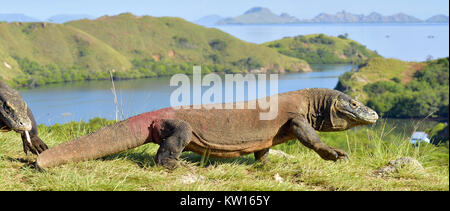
(218, 45)
(426, 94)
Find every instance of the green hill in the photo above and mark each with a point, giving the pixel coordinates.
(401, 89)
(322, 49)
(52, 48)
(130, 46)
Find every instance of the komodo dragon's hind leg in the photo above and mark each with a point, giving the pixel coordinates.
(262, 155)
(176, 135)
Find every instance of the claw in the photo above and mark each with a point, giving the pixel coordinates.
(28, 138)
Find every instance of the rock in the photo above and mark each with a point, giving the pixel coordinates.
(395, 165)
(385, 170)
(260, 70)
(279, 153)
(7, 65)
(401, 162)
(359, 79)
(191, 178)
(278, 178)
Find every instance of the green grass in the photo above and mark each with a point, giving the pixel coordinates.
(369, 147)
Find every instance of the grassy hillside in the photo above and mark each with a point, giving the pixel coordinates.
(369, 148)
(48, 43)
(131, 46)
(9, 69)
(55, 46)
(322, 49)
(396, 88)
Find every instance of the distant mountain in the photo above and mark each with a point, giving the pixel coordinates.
(402, 18)
(288, 18)
(209, 20)
(340, 17)
(438, 19)
(260, 15)
(346, 17)
(63, 18)
(13, 17)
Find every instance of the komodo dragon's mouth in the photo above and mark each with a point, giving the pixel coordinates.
(4, 128)
(371, 120)
(23, 128)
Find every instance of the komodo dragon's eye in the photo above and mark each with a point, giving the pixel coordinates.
(353, 104)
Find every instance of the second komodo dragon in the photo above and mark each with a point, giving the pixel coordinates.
(15, 115)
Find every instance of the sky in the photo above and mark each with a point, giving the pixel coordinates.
(195, 9)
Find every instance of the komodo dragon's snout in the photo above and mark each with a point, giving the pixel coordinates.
(354, 111)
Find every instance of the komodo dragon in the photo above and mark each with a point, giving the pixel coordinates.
(222, 132)
(15, 115)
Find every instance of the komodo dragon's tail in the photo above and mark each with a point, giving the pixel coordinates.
(106, 141)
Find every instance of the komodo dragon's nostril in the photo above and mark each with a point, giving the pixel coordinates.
(374, 115)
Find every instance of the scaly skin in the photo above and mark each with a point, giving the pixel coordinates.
(15, 115)
(223, 132)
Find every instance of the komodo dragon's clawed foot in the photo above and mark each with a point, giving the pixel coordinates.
(342, 155)
(330, 153)
(36, 147)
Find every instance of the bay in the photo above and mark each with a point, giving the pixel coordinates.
(404, 41)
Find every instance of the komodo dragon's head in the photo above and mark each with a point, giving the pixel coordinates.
(13, 110)
(347, 113)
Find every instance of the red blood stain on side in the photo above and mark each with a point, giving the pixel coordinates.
(148, 125)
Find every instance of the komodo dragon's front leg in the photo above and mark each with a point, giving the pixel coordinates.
(176, 135)
(306, 134)
(37, 145)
